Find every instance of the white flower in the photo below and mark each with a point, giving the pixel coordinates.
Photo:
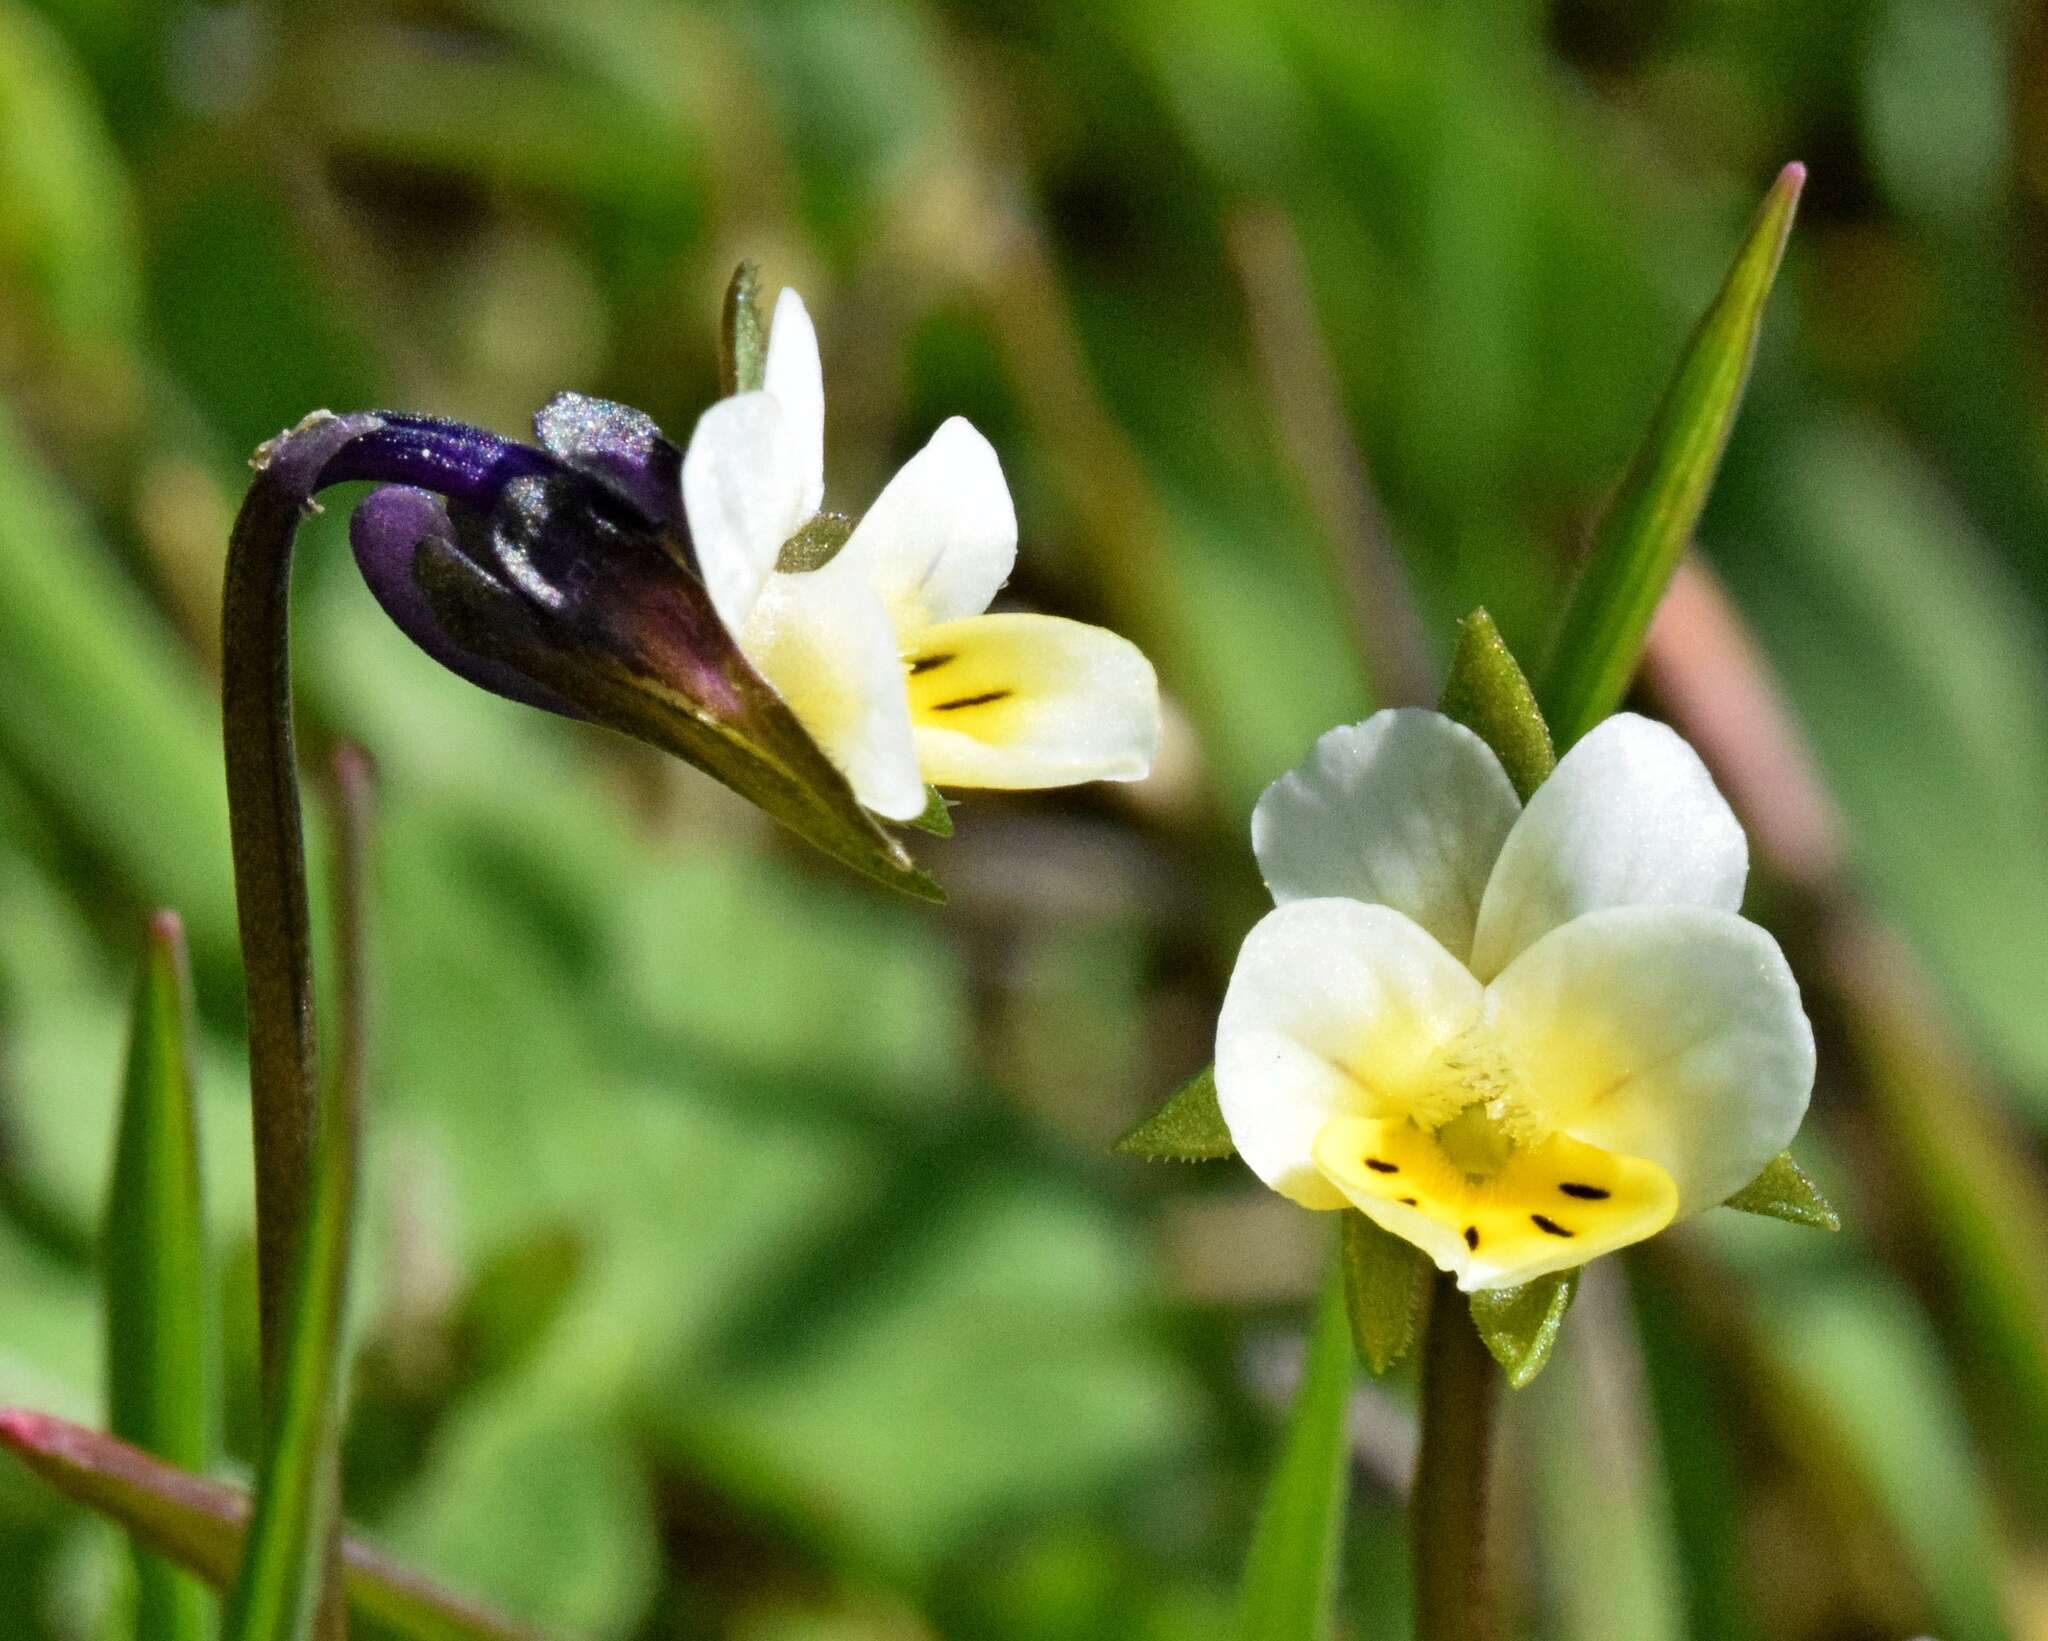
(884, 654)
(1516, 1037)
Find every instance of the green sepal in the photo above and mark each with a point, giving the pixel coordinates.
(937, 818)
(1386, 1287)
(815, 544)
(1643, 533)
(742, 337)
(1188, 1128)
(1520, 1325)
(1487, 691)
(1290, 1572)
(1783, 1191)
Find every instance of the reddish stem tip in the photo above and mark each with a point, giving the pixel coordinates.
(1793, 177)
(166, 928)
(20, 1428)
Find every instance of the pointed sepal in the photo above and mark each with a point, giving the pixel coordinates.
(1785, 1191)
(1188, 1128)
(1487, 692)
(1386, 1291)
(1520, 1325)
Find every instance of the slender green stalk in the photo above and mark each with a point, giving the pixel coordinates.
(287, 1579)
(1448, 1508)
(1290, 1574)
(159, 1379)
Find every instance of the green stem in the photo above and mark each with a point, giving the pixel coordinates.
(1448, 1508)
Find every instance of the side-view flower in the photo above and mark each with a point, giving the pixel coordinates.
(698, 599)
(883, 650)
(1516, 1037)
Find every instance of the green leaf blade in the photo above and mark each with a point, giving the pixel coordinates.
(1784, 1191)
(201, 1524)
(159, 1368)
(1641, 537)
(1290, 1575)
(1520, 1325)
(1386, 1290)
(1188, 1128)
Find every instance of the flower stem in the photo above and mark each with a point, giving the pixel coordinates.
(1448, 1506)
(269, 843)
(270, 864)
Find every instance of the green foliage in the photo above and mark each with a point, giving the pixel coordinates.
(1521, 1324)
(160, 1383)
(1290, 1574)
(1647, 526)
(1782, 1191)
(832, 1162)
(1188, 1128)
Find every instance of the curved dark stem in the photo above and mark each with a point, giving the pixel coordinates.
(1448, 1507)
(269, 842)
(270, 891)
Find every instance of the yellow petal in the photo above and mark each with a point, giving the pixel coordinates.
(1014, 701)
(1551, 1205)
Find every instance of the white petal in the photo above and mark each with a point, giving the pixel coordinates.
(1673, 1033)
(792, 375)
(825, 642)
(942, 536)
(1334, 1009)
(1407, 810)
(1629, 818)
(743, 493)
(1017, 701)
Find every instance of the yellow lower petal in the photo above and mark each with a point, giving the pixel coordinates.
(1017, 701)
(1548, 1207)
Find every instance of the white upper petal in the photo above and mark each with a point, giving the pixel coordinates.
(826, 643)
(1334, 1007)
(792, 374)
(1672, 1033)
(1630, 817)
(743, 492)
(941, 538)
(1407, 810)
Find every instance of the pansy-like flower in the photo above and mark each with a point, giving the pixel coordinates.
(883, 652)
(1516, 1037)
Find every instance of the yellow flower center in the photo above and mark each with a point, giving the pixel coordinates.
(1462, 1167)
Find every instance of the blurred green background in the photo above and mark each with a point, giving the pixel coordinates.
(745, 1258)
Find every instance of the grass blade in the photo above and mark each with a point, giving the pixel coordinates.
(200, 1524)
(1644, 532)
(293, 1536)
(159, 1383)
(1290, 1575)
